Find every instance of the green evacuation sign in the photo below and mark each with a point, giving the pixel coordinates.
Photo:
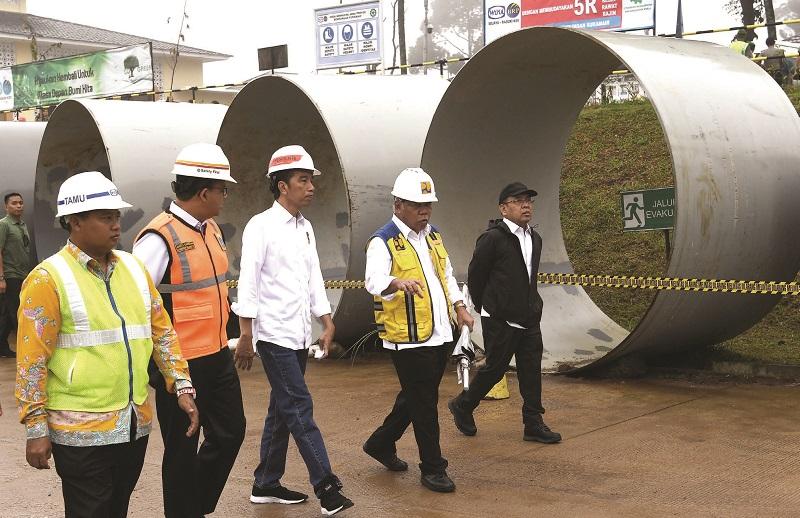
(648, 209)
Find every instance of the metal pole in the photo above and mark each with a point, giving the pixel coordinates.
(667, 246)
(425, 41)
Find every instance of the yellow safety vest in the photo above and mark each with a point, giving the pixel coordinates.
(740, 47)
(408, 319)
(105, 341)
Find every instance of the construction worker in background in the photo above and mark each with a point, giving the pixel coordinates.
(184, 251)
(502, 283)
(280, 288)
(417, 301)
(742, 43)
(90, 320)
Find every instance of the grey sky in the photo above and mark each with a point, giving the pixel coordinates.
(239, 27)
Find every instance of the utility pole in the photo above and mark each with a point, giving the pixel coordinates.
(401, 35)
(425, 41)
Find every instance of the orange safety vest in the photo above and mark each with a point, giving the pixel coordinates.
(194, 289)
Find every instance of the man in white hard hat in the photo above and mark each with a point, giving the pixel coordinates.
(417, 302)
(280, 289)
(90, 319)
(184, 250)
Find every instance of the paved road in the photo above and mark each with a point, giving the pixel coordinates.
(631, 448)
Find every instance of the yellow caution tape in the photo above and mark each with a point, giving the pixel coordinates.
(729, 29)
(631, 282)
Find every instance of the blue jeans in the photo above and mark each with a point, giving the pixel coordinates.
(290, 411)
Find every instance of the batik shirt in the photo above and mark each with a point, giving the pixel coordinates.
(39, 323)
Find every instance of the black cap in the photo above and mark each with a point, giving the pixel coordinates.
(515, 189)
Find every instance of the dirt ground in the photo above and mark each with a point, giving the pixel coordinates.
(631, 448)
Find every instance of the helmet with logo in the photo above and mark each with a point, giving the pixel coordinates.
(203, 160)
(414, 184)
(291, 157)
(88, 191)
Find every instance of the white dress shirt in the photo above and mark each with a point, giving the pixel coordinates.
(378, 278)
(152, 250)
(526, 244)
(280, 280)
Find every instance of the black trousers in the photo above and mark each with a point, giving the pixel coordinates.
(193, 479)
(8, 312)
(97, 481)
(502, 342)
(420, 371)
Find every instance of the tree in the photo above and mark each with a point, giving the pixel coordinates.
(401, 36)
(769, 14)
(457, 31)
(176, 51)
(750, 11)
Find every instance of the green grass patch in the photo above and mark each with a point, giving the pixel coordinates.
(621, 147)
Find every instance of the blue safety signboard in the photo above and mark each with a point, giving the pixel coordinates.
(348, 35)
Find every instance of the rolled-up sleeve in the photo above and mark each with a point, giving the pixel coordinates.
(253, 255)
(379, 265)
(320, 305)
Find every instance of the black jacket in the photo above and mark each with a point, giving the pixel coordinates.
(498, 278)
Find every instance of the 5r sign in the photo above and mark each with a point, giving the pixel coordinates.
(583, 7)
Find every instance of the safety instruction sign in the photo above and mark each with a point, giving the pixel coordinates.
(650, 209)
(348, 35)
(501, 18)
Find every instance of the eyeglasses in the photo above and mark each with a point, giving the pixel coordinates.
(520, 201)
(223, 190)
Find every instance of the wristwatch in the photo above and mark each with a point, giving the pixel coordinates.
(459, 304)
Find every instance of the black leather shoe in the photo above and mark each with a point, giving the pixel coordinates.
(540, 432)
(438, 482)
(391, 462)
(464, 420)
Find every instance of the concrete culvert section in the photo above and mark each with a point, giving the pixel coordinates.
(732, 134)
(361, 132)
(132, 143)
(19, 147)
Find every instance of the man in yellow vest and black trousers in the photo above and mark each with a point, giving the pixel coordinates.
(184, 251)
(90, 319)
(417, 301)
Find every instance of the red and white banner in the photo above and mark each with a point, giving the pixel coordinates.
(501, 18)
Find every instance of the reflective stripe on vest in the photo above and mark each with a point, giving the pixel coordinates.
(186, 286)
(83, 336)
(97, 366)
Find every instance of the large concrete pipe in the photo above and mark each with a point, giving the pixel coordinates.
(133, 143)
(19, 147)
(733, 138)
(361, 131)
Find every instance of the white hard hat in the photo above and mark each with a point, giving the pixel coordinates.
(291, 157)
(203, 160)
(88, 191)
(414, 184)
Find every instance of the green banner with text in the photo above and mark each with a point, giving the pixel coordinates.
(119, 71)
